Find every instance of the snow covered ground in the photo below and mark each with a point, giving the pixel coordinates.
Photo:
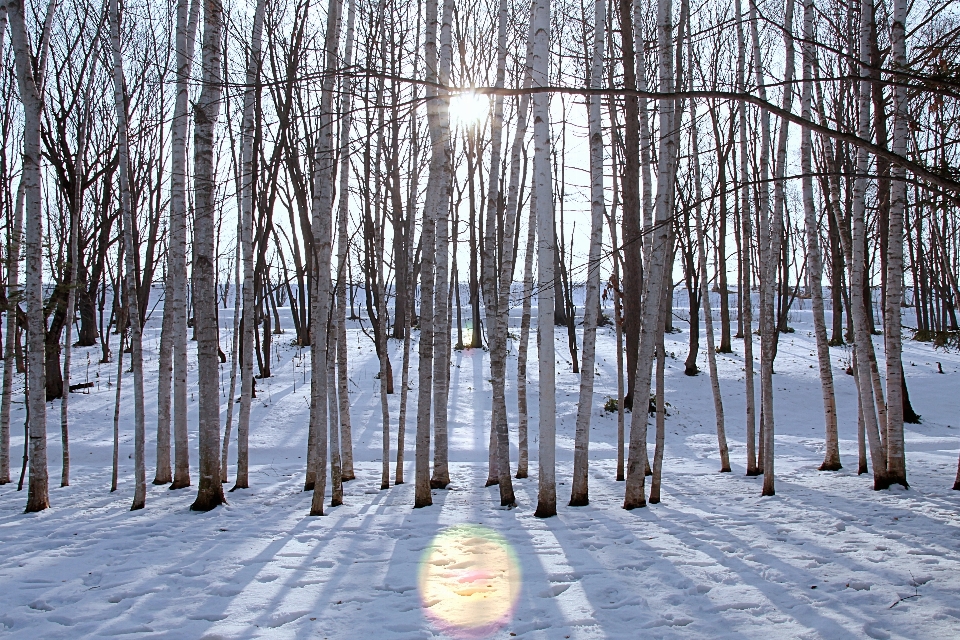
(827, 557)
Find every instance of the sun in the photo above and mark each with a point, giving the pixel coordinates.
(468, 108)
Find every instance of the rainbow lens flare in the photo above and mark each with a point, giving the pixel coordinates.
(469, 581)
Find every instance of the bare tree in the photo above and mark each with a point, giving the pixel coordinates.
(579, 492)
(546, 280)
(206, 113)
(37, 496)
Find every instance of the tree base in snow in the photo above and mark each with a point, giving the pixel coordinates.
(209, 498)
(545, 511)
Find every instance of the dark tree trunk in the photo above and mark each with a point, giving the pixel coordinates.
(632, 218)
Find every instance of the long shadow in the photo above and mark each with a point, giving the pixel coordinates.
(802, 610)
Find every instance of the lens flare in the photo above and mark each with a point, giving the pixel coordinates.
(469, 581)
(468, 109)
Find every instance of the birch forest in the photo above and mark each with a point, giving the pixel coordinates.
(426, 266)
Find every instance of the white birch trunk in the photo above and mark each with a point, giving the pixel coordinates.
(247, 189)
(896, 458)
(323, 182)
(343, 245)
(581, 457)
(831, 460)
(116, 401)
(441, 329)
(498, 302)
(769, 249)
(866, 358)
(546, 282)
(657, 263)
(37, 494)
(333, 409)
(206, 330)
(746, 218)
(188, 18)
(660, 404)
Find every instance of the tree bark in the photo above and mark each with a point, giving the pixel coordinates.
(206, 114)
(831, 461)
(248, 174)
(633, 244)
(866, 358)
(324, 169)
(14, 296)
(37, 494)
(547, 489)
(896, 458)
(343, 244)
(579, 493)
(657, 268)
(188, 18)
(746, 221)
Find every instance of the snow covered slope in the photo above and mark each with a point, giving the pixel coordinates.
(827, 557)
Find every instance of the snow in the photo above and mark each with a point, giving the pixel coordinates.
(827, 557)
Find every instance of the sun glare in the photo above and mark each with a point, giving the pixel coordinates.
(468, 108)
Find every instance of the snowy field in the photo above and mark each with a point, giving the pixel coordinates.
(827, 557)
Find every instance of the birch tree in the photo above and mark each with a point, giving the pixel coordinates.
(866, 358)
(546, 280)
(323, 175)
(343, 243)
(831, 460)
(657, 268)
(247, 198)
(746, 221)
(441, 328)
(206, 113)
(37, 494)
(13, 300)
(579, 492)
(896, 458)
(188, 18)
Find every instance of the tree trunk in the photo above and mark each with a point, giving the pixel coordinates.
(896, 458)
(324, 169)
(746, 221)
(657, 268)
(72, 285)
(13, 301)
(234, 351)
(771, 224)
(522, 415)
(831, 461)
(633, 241)
(660, 403)
(188, 18)
(547, 490)
(343, 244)
(866, 358)
(248, 164)
(206, 114)
(130, 279)
(579, 493)
(37, 495)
